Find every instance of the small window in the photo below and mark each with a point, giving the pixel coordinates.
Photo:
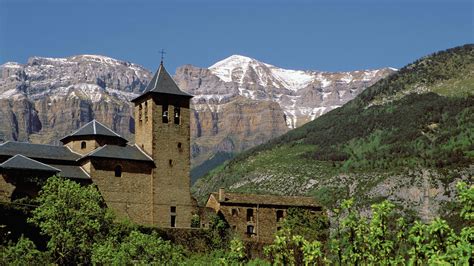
(170, 162)
(250, 230)
(279, 215)
(249, 215)
(165, 114)
(180, 145)
(146, 111)
(140, 110)
(235, 212)
(118, 171)
(83, 145)
(173, 220)
(177, 115)
(173, 209)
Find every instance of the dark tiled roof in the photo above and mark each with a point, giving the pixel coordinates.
(38, 151)
(295, 201)
(24, 163)
(162, 82)
(120, 152)
(94, 128)
(71, 171)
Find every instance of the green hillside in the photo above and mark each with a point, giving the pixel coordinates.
(411, 132)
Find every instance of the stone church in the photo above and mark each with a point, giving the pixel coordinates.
(147, 182)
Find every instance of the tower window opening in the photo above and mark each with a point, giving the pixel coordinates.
(83, 145)
(170, 162)
(146, 111)
(180, 145)
(177, 115)
(140, 109)
(165, 114)
(118, 171)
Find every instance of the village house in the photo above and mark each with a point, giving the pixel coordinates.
(147, 182)
(257, 217)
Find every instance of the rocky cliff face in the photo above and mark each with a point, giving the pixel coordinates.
(239, 102)
(50, 97)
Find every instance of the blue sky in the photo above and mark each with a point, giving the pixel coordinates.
(319, 35)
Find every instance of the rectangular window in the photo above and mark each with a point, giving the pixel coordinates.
(173, 209)
(140, 110)
(173, 220)
(249, 215)
(177, 115)
(279, 215)
(146, 111)
(165, 113)
(250, 230)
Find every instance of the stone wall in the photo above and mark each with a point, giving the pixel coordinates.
(130, 195)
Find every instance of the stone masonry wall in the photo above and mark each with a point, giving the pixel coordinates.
(129, 196)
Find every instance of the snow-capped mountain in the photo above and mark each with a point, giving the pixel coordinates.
(303, 95)
(239, 102)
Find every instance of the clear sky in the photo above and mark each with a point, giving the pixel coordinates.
(319, 35)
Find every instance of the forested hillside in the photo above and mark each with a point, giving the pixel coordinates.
(408, 138)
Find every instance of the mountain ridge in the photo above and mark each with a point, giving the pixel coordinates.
(46, 98)
(372, 152)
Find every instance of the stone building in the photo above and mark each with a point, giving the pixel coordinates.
(147, 182)
(257, 217)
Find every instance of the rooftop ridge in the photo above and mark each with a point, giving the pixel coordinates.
(140, 149)
(28, 159)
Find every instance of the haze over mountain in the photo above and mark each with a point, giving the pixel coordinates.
(408, 138)
(239, 102)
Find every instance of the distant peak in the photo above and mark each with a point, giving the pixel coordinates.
(233, 60)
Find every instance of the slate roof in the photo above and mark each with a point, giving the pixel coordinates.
(38, 151)
(20, 162)
(93, 128)
(71, 171)
(163, 83)
(127, 152)
(253, 199)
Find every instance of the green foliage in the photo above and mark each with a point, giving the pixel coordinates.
(466, 199)
(72, 217)
(381, 239)
(138, 248)
(219, 232)
(309, 224)
(24, 252)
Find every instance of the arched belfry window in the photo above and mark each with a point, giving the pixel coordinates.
(165, 113)
(176, 115)
(83, 145)
(118, 171)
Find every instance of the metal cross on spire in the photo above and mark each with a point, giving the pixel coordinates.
(162, 52)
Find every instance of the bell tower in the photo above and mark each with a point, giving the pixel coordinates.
(162, 130)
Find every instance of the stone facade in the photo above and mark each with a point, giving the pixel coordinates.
(256, 217)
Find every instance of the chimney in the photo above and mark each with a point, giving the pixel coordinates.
(221, 194)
